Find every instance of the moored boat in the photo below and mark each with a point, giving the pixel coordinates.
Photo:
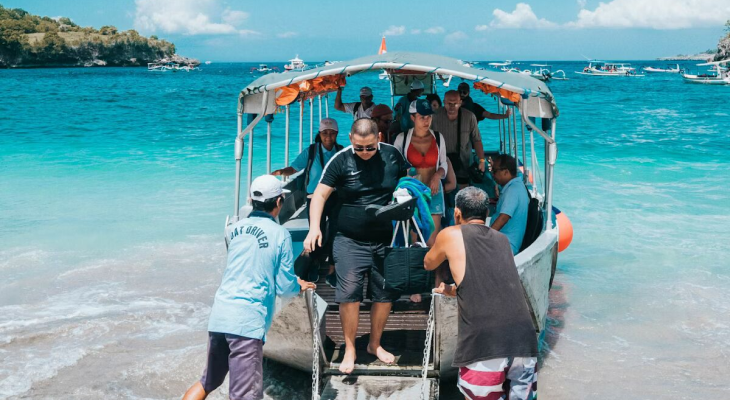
(306, 332)
(295, 64)
(602, 68)
(718, 76)
(668, 70)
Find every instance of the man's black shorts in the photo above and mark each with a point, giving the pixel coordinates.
(353, 260)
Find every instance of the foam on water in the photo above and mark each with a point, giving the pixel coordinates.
(115, 183)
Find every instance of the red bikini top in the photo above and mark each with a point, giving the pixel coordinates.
(419, 160)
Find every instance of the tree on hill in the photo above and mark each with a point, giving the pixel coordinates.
(57, 46)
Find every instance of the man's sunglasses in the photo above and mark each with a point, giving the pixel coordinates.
(361, 149)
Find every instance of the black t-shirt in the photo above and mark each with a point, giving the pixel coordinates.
(360, 183)
(470, 105)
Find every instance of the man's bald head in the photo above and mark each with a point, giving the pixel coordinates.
(451, 94)
(364, 127)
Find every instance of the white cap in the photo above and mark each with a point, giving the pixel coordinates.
(417, 85)
(328, 123)
(267, 187)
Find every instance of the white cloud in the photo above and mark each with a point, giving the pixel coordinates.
(395, 30)
(455, 37)
(286, 35)
(234, 17)
(435, 30)
(415, 31)
(521, 18)
(582, 4)
(656, 14)
(188, 17)
(481, 27)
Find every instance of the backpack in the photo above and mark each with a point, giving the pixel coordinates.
(535, 222)
(310, 159)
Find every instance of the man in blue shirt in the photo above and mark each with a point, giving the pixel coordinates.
(260, 267)
(312, 162)
(510, 216)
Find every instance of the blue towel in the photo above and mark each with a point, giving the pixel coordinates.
(423, 209)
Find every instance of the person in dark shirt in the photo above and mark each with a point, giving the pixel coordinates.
(364, 173)
(496, 348)
(479, 111)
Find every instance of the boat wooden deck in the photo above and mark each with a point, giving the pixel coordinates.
(404, 334)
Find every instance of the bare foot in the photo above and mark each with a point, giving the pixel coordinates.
(416, 298)
(382, 355)
(348, 361)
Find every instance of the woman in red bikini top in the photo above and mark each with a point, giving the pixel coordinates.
(427, 155)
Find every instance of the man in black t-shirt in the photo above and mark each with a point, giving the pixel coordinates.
(479, 111)
(364, 173)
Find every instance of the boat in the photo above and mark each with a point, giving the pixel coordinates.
(542, 72)
(295, 64)
(306, 331)
(718, 76)
(602, 68)
(157, 67)
(502, 66)
(668, 70)
(264, 69)
(208, 62)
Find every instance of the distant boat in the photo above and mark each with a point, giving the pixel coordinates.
(504, 66)
(720, 76)
(295, 64)
(602, 68)
(264, 69)
(667, 70)
(207, 63)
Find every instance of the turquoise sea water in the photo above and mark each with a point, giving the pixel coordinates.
(115, 184)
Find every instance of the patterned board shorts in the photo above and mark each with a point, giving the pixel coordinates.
(513, 378)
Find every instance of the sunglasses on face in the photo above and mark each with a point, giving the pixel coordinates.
(360, 149)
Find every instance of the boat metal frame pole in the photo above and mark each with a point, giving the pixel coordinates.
(501, 139)
(319, 101)
(238, 149)
(301, 124)
(327, 105)
(311, 120)
(513, 110)
(286, 137)
(524, 151)
(507, 132)
(268, 148)
(552, 157)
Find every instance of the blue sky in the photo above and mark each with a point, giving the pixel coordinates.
(231, 30)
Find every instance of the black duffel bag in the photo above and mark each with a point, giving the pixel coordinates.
(404, 272)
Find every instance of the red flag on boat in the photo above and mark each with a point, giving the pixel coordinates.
(382, 48)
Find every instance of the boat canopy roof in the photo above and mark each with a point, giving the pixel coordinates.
(285, 88)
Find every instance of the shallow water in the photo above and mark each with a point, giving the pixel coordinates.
(115, 184)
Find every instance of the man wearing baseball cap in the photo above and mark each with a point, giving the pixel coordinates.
(260, 267)
(360, 109)
(402, 116)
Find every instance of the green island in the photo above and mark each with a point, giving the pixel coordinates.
(31, 41)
